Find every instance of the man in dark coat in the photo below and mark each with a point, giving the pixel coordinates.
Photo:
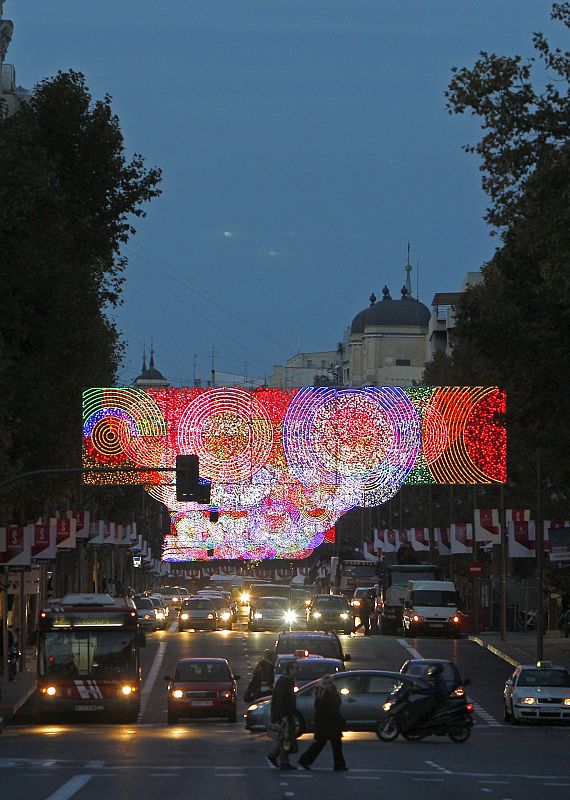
(328, 726)
(283, 707)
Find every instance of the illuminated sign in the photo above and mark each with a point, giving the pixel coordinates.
(285, 465)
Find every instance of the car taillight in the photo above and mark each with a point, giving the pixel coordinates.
(469, 707)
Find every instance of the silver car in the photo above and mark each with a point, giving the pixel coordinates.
(198, 613)
(268, 614)
(363, 693)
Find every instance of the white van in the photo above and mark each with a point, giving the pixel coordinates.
(431, 607)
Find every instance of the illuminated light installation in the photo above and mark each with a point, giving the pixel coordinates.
(285, 465)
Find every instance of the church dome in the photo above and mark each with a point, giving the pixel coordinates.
(405, 312)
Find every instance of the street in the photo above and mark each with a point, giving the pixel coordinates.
(151, 759)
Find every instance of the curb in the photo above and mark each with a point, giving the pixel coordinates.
(494, 650)
(8, 711)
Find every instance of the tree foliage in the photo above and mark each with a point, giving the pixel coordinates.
(69, 198)
(513, 330)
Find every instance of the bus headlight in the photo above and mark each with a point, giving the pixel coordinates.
(126, 690)
(51, 691)
(290, 616)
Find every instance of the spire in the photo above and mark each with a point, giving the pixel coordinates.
(144, 360)
(151, 362)
(408, 269)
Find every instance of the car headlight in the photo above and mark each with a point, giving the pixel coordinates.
(226, 615)
(455, 619)
(210, 616)
(147, 616)
(290, 616)
(258, 615)
(566, 701)
(344, 615)
(177, 693)
(184, 616)
(417, 618)
(253, 707)
(459, 692)
(174, 599)
(387, 705)
(244, 597)
(528, 701)
(317, 614)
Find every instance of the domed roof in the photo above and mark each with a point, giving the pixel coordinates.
(392, 313)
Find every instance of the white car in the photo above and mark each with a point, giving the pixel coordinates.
(538, 691)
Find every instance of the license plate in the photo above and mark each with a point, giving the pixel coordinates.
(437, 624)
(88, 708)
(202, 703)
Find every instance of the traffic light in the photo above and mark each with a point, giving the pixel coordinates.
(187, 479)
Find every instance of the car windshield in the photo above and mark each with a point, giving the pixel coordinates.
(319, 646)
(143, 602)
(449, 674)
(330, 602)
(202, 671)
(277, 603)
(434, 598)
(198, 605)
(544, 677)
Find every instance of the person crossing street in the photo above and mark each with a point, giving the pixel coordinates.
(329, 723)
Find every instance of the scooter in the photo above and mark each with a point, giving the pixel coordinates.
(453, 719)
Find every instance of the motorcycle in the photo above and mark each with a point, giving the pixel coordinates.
(452, 719)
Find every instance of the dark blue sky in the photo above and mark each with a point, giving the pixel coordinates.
(303, 142)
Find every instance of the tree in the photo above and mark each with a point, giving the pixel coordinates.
(69, 198)
(513, 330)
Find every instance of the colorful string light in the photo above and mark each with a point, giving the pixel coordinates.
(285, 465)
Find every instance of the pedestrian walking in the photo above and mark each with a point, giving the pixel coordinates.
(262, 678)
(283, 707)
(364, 614)
(329, 723)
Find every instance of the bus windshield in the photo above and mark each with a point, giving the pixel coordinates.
(359, 570)
(98, 654)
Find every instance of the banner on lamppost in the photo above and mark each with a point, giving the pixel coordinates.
(559, 544)
(442, 541)
(43, 542)
(522, 539)
(15, 546)
(419, 538)
(461, 538)
(487, 526)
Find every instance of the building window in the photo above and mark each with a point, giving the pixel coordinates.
(402, 362)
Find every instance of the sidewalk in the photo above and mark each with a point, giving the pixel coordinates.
(17, 692)
(520, 647)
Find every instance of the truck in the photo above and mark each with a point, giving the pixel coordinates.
(355, 573)
(431, 607)
(394, 580)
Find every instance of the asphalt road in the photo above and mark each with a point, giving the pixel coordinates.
(215, 758)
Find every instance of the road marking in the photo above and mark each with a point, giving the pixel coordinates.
(70, 788)
(430, 780)
(94, 764)
(411, 650)
(436, 766)
(151, 678)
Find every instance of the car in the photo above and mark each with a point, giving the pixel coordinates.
(161, 612)
(202, 687)
(538, 691)
(174, 597)
(146, 613)
(330, 611)
(223, 610)
(269, 613)
(198, 613)
(313, 643)
(311, 668)
(363, 693)
(418, 667)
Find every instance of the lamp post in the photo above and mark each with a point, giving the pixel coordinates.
(539, 561)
